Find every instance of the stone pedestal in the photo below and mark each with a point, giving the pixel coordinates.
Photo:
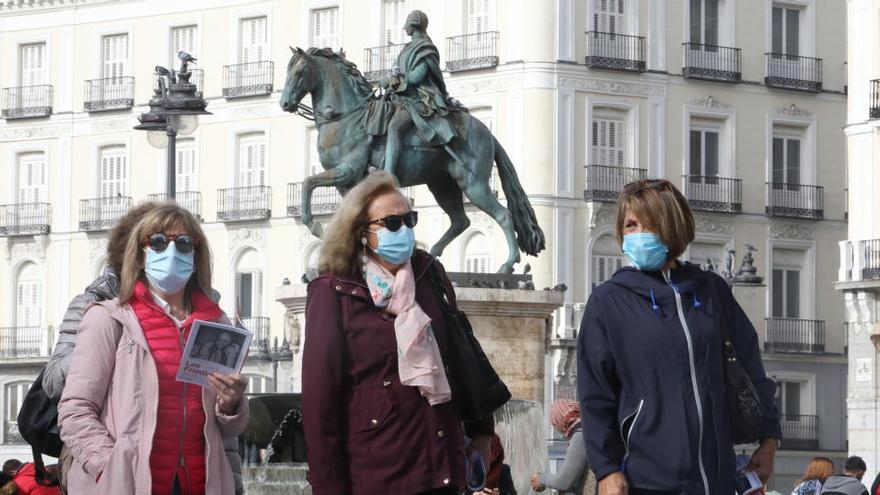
(512, 325)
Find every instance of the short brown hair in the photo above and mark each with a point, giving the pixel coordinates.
(160, 219)
(118, 239)
(340, 253)
(819, 468)
(659, 205)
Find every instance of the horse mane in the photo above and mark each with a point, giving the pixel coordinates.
(354, 77)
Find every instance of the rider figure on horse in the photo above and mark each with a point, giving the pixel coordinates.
(418, 92)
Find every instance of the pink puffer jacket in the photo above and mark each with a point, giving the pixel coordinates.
(107, 412)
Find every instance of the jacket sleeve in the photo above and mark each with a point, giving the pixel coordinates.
(323, 384)
(745, 341)
(230, 446)
(599, 392)
(573, 468)
(83, 398)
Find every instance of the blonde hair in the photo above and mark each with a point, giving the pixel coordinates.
(660, 206)
(819, 468)
(162, 218)
(340, 253)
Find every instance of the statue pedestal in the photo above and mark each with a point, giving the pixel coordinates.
(513, 326)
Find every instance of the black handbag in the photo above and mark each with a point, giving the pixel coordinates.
(475, 385)
(743, 405)
(38, 425)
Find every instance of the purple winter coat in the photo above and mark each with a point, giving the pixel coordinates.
(365, 432)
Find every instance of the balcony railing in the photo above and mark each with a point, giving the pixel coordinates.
(102, 213)
(859, 260)
(244, 203)
(196, 78)
(25, 218)
(794, 72)
(379, 60)
(12, 433)
(191, 201)
(325, 200)
(604, 183)
(874, 108)
(25, 102)
(712, 193)
(251, 79)
(795, 335)
(795, 201)
(259, 325)
(711, 62)
(615, 51)
(472, 51)
(800, 431)
(112, 93)
(16, 342)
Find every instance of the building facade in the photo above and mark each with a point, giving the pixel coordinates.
(737, 102)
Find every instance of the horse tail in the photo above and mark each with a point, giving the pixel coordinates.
(529, 235)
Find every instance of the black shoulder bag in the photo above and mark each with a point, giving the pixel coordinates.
(38, 425)
(475, 385)
(743, 405)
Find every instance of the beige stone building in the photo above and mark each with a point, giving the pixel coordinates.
(739, 102)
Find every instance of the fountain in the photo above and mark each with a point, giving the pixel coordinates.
(520, 425)
(273, 447)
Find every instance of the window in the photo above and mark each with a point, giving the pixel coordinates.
(478, 254)
(113, 174)
(252, 160)
(254, 41)
(14, 395)
(183, 39)
(114, 53)
(32, 64)
(479, 19)
(28, 297)
(786, 287)
(609, 16)
(325, 24)
(785, 30)
(32, 178)
(258, 384)
(314, 158)
(187, 167)
(395, 12)
(786, 161)
(709, 256)
(704, 22)
(704, 153)
(605, 260)
(788, 398)
(249, 285)
(608, 142)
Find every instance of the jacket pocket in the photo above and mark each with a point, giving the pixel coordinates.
(371, 406)
(627, 427)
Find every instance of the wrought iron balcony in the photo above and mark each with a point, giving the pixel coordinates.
(713, 193)
(191, 201)
(18, 342)
(604, 183)
(102, 213)
(244, 203)
(472, 51)
(197, 78)
(259, 325)
(26, 102)
(794, 72)
(25, 219)
(874, 108)
(615, 51)
(795, 335)
(12, 433)
(795, 201)
(869, 254)
(325, 200)
(112, 93)
(799, 431)
(251, 79)
(379, 60)
(711, 62)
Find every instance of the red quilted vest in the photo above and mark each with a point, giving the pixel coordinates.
(179, 440)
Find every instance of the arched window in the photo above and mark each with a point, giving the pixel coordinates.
(249, 285)
(13, 395)
(606, 259)
(28, 297)
(477, 254)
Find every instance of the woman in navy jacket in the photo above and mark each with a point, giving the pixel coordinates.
(650, 376)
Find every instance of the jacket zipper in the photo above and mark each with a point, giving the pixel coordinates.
(692, 369)
(181, 459)
(627, 438)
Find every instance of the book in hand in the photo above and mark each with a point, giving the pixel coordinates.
(212, 348)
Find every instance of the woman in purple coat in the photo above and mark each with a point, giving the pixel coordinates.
(378, 412)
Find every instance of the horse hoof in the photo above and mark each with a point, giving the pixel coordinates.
(506, 268)
(317, 230)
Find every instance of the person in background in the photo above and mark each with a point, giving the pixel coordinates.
(11, 466)
(26, 482)
(7, 485)
(105, 288)
(818, 470)
(499, 479)
(565, 416)
(130, 425)
(848, 483)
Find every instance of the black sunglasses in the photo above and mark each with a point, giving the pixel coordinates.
(393, 222)
(159, 241)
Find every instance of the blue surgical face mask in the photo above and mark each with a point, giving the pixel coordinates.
(168, 271)
(396, 247)
(646, 250)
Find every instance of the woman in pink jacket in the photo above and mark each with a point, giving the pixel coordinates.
(131, 427)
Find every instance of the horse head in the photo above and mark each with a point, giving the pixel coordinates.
(302, 77)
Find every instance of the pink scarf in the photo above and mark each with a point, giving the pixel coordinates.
(418, 358)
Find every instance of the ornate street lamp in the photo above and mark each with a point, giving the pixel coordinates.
(174, 109)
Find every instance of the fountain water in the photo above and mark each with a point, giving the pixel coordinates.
(275, 428)
(520, 425)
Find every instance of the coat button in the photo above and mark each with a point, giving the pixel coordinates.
(446, 481)
(386, 383)
(338, 287)
(354, 292)
(374, 421)
(440, 433)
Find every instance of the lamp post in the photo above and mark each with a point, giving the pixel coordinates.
(174, 109)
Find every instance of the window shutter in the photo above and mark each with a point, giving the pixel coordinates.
(604, 267)
(324, 28)
(254, 42)
(710, 31)
(32, 175)
(183, 39)
(479, 19)
(710, 165)
(609, 16)
(187, 171)
(793, 161)
(792, 293)
(778, 309)
(314, 157)
(32, 64)
(778, 171)
(792, 32)
(114, 173)
(608, 142)
(777, 29)
(395, 16)
(115, 56)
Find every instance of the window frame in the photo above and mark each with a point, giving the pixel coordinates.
(807, 25)
(337, 33)
(807, 301)
(20, 388)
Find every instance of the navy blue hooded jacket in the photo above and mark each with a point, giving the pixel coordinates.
(650, 380)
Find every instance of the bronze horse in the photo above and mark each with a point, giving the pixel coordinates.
(341, 96)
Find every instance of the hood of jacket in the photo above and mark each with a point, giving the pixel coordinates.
(687, 277)
(844, 484)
